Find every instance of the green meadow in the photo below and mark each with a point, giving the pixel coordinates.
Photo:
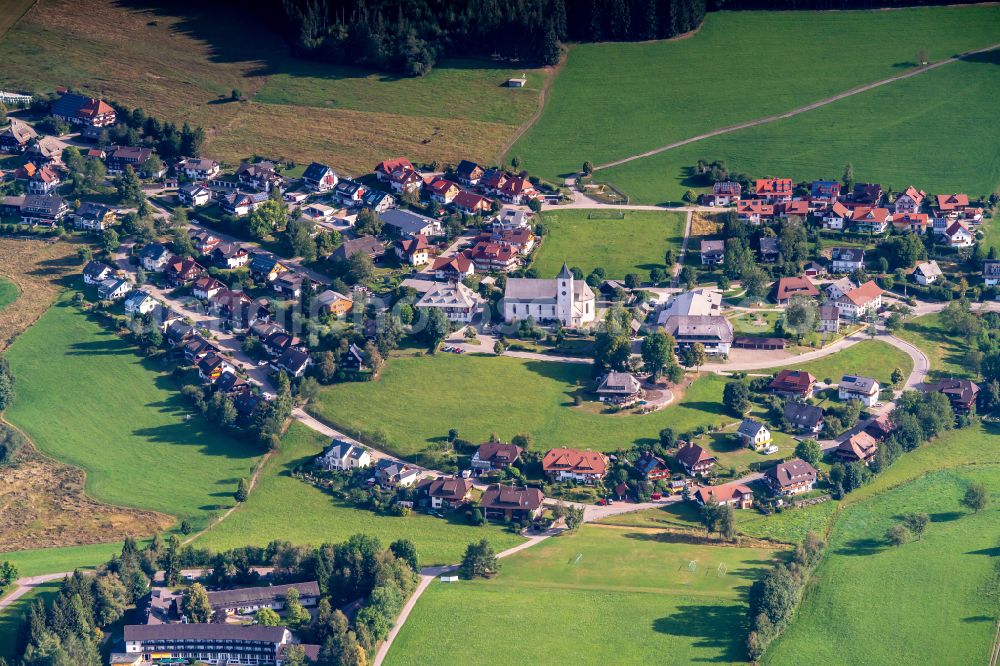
(871, 358)
(945, 352)
(286, 508)
(593, 595)
(613, 100)
(891, 135)
(930, 601)
(8, 292)
(418, 399)
(636, 243)
(86, 398)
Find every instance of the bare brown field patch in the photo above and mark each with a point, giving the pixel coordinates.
(706, 224)
(43, 505)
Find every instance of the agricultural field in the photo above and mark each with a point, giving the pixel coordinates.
(871, 358)
(465, 397)
(955, 558)
(816, 54)
(283, 507)
(862, 130)
(182, 64)
(603, 603)
(945, 352)
(9, 291)
(588, 239)
(131, 430)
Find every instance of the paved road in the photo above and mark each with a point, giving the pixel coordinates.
(25, 585)
(795, 112)
(675, 280)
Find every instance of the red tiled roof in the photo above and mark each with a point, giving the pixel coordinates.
(773, 186)
(388, 166)
(754, 206)
(573, 460)
(793, 381)
(795, 286)
(867, 214)
(864, 294)
(724, 493)
(459, 263)
(952, 201)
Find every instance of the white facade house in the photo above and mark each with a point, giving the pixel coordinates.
(565, 299)
(341, 455)
(856, 303)
(458, 302)
(927, 272)
(754, 434)
(139, 302)
(854, 387)
(847, 259)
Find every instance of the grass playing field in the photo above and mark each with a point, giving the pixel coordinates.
(944, 351)
(865, 130)
(592, 594)
(283, 507)
(634, 244)
(418, 399)
(665, 91)
(8, 292)
(181, 63)
(943, 605)
(85, 398)
(871, 358)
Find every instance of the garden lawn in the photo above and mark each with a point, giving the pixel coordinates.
(595, 595)
(8, 292)
(286, 508)
(941, 590)
(10, 617)
(953, 105)
(635, 244)
(86, 398)
(870, 358)
(417, 400)
(944, 351)
(664, 91)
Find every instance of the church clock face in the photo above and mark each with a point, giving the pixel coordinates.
(564, 293)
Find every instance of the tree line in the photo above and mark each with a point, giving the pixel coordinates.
(411, 37)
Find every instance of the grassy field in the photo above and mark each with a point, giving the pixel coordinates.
(182, 63)
(955, 561)
(591, 117)
(871, 358)
(56, 560)
(635, 244)
(10, 618)
(536, 399)
(865, 130)
(594, 595)
(944, 351)
(8, 292)
(282, 507)
(85, 398)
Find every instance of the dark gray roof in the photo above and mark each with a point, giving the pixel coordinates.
(700, 326)
(791, 472)
(857, 383)
(315, 171)
(406, 221)
(750, 428)
(152, 632)
(853, 254)
(253, 595)
(368, 244)
(801, 415)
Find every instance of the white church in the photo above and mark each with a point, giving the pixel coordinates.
(565, 299)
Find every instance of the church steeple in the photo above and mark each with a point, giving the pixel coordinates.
(564, 274)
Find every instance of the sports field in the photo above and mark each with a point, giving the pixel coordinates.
(613, 100)
(940, 589)
(635, 242)
(85, 398)
(480, 395)
(182, 62)
(952, 105)
(8, 292)
(594, 595)
(286, 508)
